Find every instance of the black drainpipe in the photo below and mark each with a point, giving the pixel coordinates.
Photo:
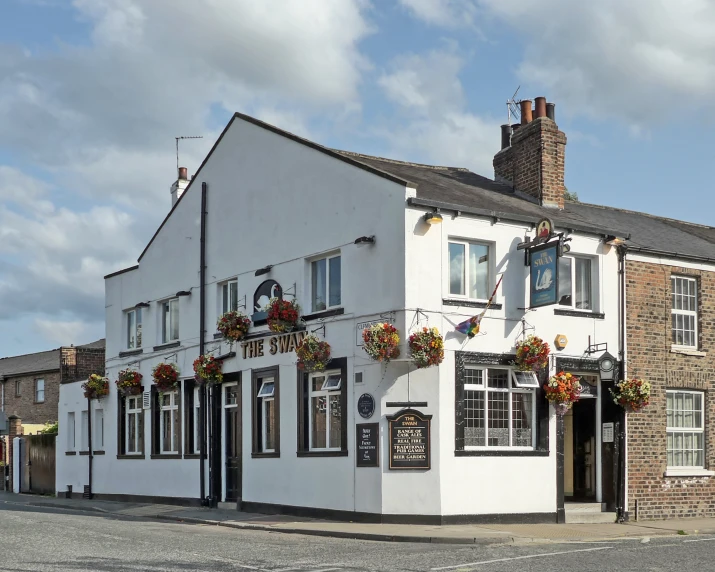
(89, 443)
(621, 495)
(202, 320)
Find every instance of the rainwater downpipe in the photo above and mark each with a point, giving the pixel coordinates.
(89, 443)
(621, 500)
(202, 319)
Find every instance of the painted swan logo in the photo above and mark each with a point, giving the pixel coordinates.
(263, 301)
(545, 280)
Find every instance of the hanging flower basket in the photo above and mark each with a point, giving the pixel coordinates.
(233, 325)
(426, 347)
(96, 386)
(562, 390)
(381, 341)
(632, 394)
(282, 315)
(532, 354)
(208, 369)
(313, 354)
(165, 376)
(129, 382)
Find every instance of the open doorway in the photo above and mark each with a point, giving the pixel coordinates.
(581, 445)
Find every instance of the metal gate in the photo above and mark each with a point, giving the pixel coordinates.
(41, 463)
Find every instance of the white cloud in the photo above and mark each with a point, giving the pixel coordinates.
(445, 13)
(67, 332)
(434, 124)
(641, 61)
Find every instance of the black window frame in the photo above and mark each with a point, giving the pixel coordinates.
(303, 433)
(122, 428)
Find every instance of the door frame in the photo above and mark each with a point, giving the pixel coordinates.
(224, 407)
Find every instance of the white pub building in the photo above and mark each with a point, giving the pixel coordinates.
(358, 240)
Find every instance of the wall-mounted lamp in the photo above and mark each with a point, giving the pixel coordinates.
(433, 218)
(613, 240)
(264, 270)
(142, 305)
(607, 367)
(365, 240)
(183, 293)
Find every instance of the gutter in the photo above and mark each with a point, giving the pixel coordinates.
(657, 252)
(498, 215)
(622, 468)
(202, 347)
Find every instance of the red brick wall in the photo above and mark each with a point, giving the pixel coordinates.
(521, 164)
(24, 405)
(648, 295)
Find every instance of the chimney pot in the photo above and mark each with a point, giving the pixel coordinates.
(540, 107)
(525, 111)
(183, 173)
(551, 111)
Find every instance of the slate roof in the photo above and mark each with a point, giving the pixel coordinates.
(28, 363)
(461, 187)
(99, 344)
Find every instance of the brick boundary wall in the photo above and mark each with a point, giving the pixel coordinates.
(648, 296)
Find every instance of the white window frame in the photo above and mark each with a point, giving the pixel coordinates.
(133, 415)
(694, 314)
(490, 268)
(328, 305)
(225, 289)
(267, 389)
(594, 284)
(71, 432)
(84, 430)
(512, 389)
(322, 393)
(166, 306)
(133, 340)
(693, 430)
(98, 429)
(38, 382)
(266, 393)
(171, 407)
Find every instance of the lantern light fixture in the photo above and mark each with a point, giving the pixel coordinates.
(264, 270)
(142, 305)
(433, 218)
(365, 240)
(607, 367)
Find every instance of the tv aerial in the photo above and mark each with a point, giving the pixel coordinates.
(177, 146)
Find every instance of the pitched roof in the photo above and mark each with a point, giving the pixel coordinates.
(28, 363)
(460, 187)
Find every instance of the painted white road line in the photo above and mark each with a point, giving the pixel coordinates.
(520, 558)
(700, 540)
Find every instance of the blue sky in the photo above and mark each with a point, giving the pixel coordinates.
(93, 92)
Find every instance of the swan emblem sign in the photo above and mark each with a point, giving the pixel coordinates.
(544, 275)
(263, 294)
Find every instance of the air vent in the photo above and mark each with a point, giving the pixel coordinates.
(358, 377)
(147, 400)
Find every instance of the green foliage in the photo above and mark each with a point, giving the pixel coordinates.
(51, 428)
(569, 196)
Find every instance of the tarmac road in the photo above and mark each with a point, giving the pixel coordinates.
(48, 539)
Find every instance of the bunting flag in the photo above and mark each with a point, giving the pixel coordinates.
(471, 326)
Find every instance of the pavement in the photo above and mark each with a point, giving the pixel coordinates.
(482, 534)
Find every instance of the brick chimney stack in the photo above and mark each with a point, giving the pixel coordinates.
(532, 160)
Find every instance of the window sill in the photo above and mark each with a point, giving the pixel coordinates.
(98, 453)
(84, 452)
(167, 345)
(324, 314)
(192, 456)
(38, 402)
(470, 303)
(274, 455)
(688, 473)
(137, 456)
(322, 453)
(166, 456)
(580, 314)
(501, 453)
(70, 452)
(127, 353)
(687, 351)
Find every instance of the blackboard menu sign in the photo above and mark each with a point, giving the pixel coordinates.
(409, 434)
(368, 448)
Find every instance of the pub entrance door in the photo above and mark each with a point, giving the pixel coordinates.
(232, 437)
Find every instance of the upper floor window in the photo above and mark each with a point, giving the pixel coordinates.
(499, 409)
(685, 427)
(684, 312)
(325, 283)
(229, 296)
(134, 329)
(170, 320)
(39, 390)
(469, 269)
(576, 282)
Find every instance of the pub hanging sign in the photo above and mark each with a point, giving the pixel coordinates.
(544, 274)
